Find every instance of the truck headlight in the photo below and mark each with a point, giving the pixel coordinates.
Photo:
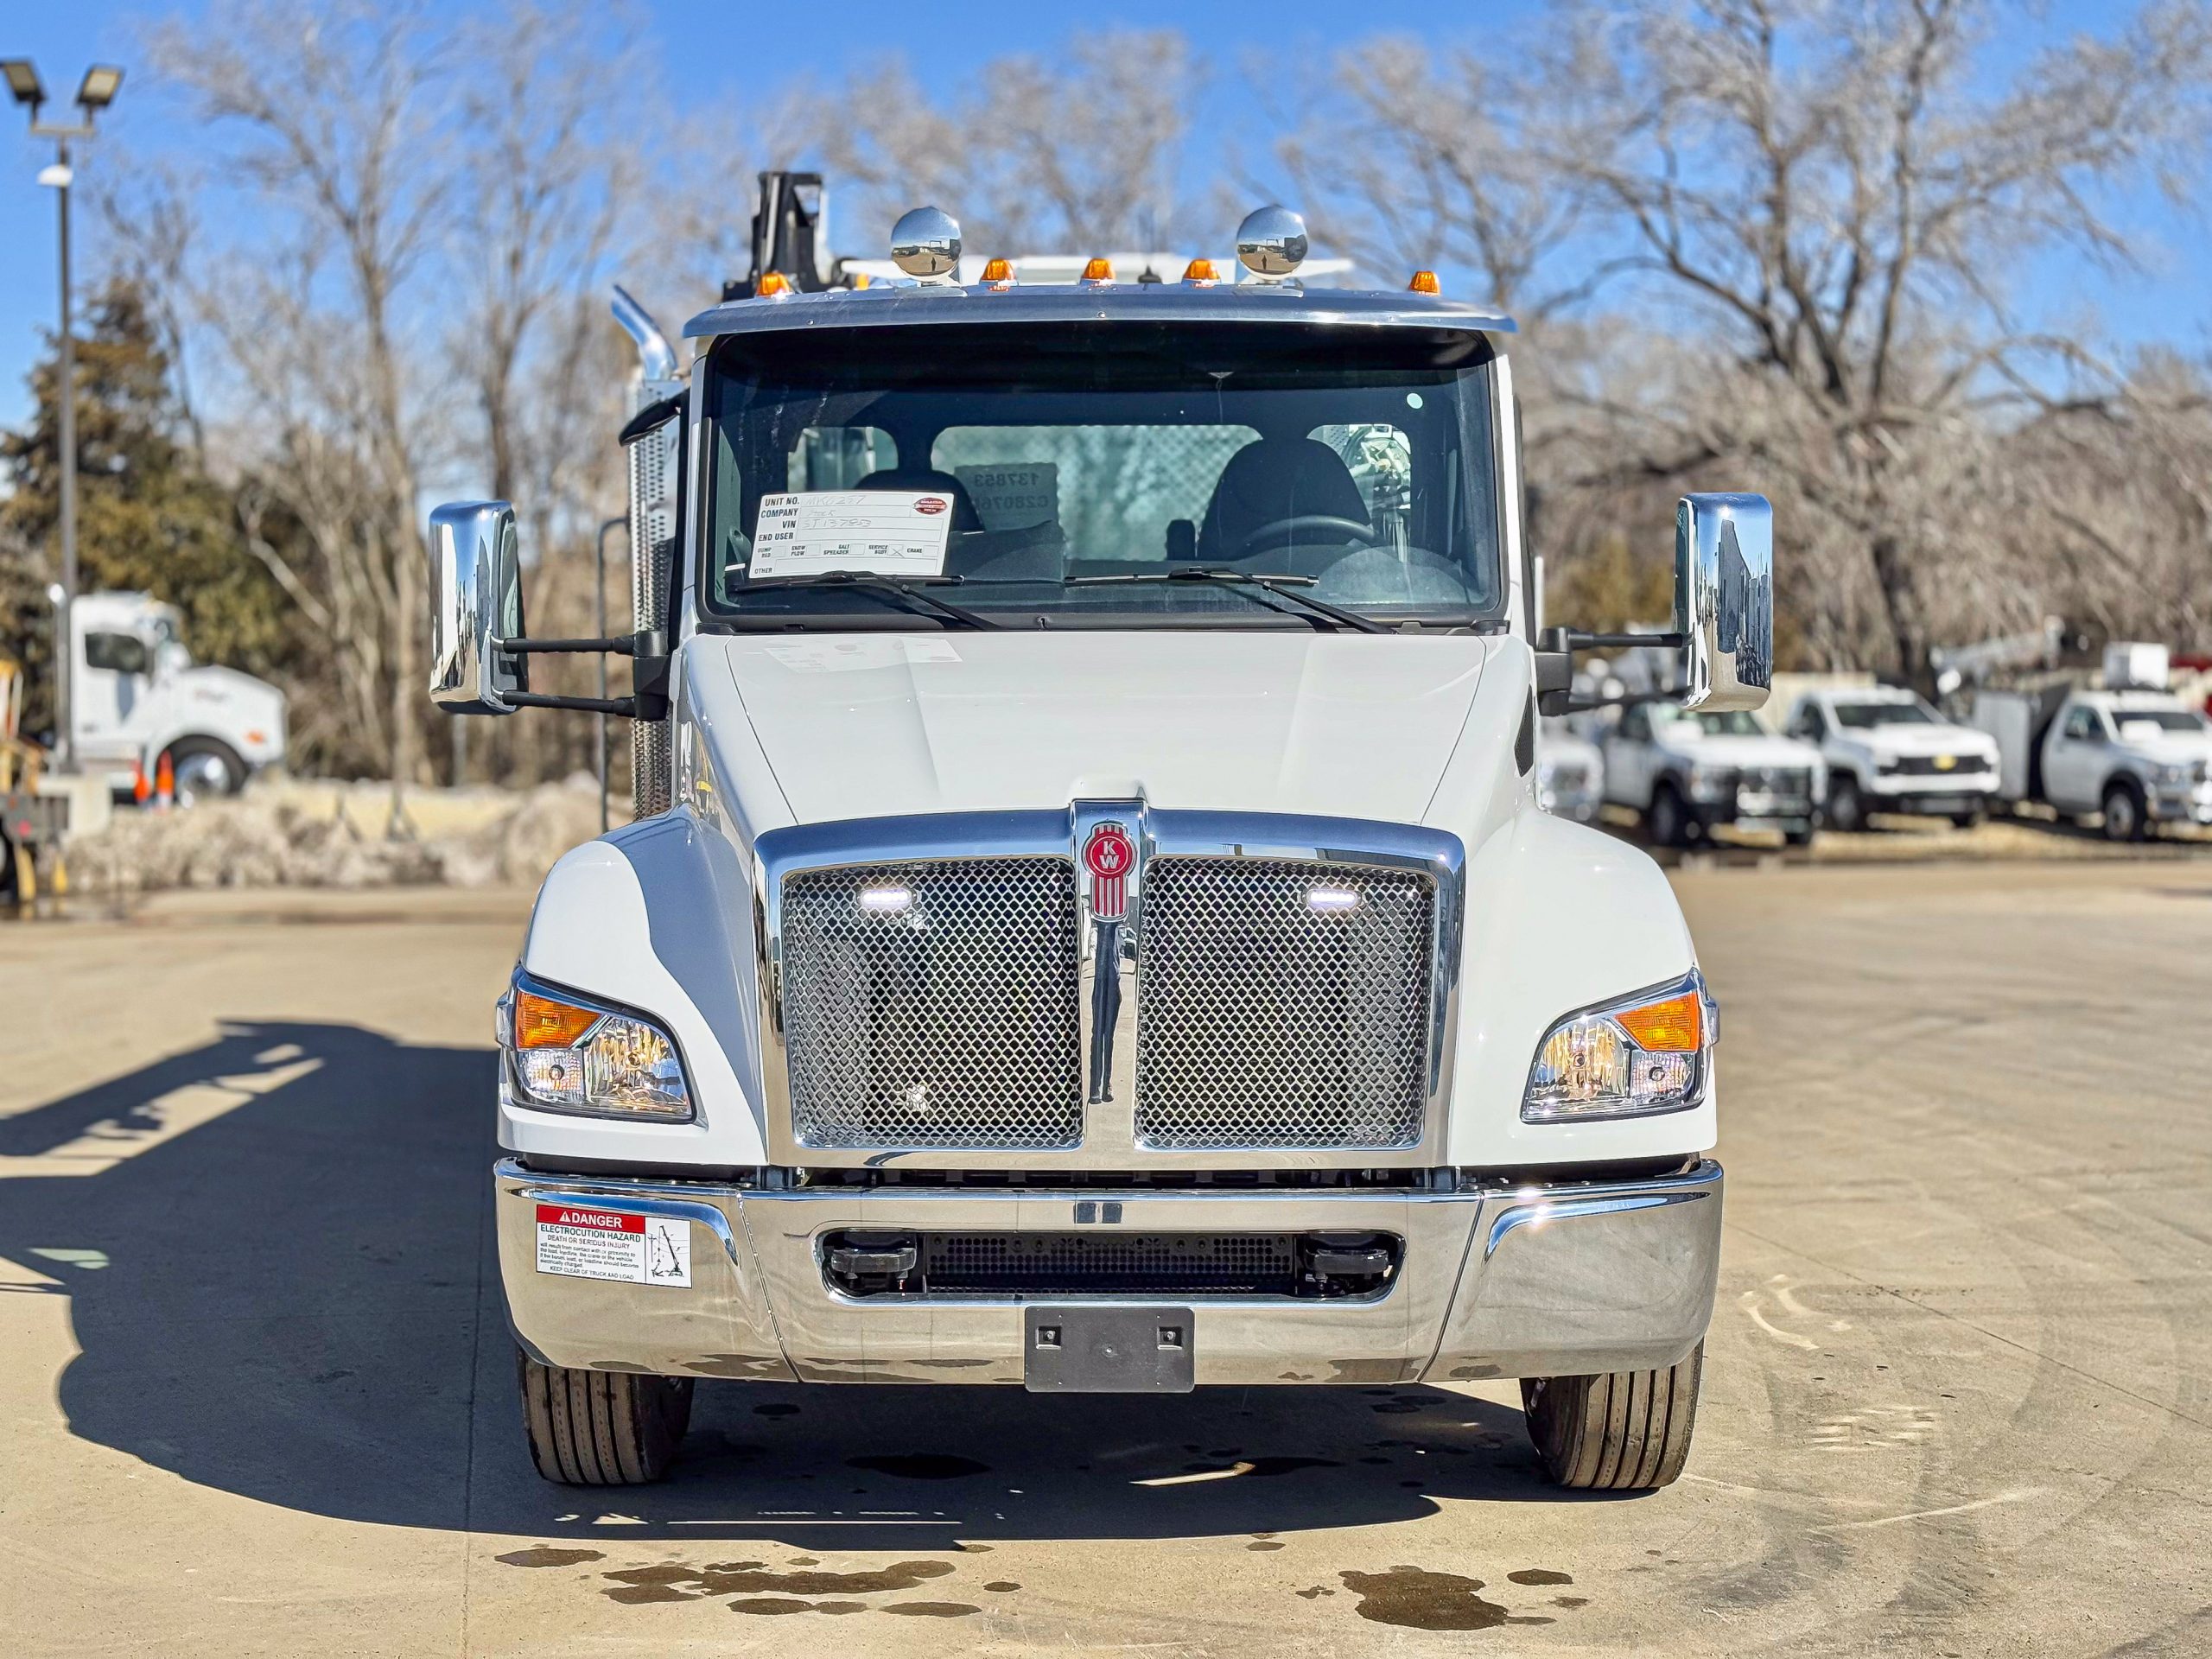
(1645, 1053)
(2173, 777)
(565, 1053)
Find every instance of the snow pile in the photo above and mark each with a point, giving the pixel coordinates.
(287, 837)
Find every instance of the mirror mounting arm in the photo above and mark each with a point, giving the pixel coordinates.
(1556, 649)
(647, 650)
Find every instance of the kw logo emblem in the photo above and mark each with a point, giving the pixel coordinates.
(1108, 854)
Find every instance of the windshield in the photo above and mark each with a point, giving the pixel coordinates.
(2162, 719)
(1031, 466)
(1860, 716)
(1735, 722)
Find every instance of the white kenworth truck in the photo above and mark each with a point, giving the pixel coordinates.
(1089, 925)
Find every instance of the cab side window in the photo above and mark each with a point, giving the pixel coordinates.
(119, 653)
(2082, 724)
(1636, 724)
(1811, 724)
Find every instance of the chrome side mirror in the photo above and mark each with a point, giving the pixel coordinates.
(475, 604)
(1724, 600)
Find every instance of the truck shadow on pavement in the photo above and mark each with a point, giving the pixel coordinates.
(281, 1274)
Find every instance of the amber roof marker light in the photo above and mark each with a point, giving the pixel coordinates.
(1424, 282)
(1201, 273)
(998, 274)
(1098, 272)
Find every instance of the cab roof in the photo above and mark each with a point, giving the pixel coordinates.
(885, 305)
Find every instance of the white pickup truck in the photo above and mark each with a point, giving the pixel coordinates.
(1091, 925)
(1887, 751)
(2138, 758)
(1686, 772)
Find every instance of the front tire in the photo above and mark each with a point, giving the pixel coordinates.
(602, 1429)
(2126, 818)
(1847, 807)
(1623, 1431)
(206, 768)
(1668, 820)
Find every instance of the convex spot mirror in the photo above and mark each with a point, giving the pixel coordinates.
(475, 603)
(1724, 600)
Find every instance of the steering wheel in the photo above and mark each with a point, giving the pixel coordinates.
(1281, 530)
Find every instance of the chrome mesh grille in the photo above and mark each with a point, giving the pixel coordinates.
(951, 1022)
(1264, 1021)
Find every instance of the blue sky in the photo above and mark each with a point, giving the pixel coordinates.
(712, 49)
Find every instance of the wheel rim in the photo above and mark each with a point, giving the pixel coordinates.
(202, 774)
(2119, 815)
(1666, 821)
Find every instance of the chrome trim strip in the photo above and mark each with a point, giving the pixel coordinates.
(1528, 1215)
(1109, 1140)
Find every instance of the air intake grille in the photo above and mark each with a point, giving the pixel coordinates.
(947, 1020)
(1094, 1264)
(1282, 1004)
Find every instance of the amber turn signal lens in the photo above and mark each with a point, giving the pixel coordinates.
(772, 284)
(1424, 282)
(1098, 270)
(1201, 270)
(1674, 1027)
(540, 1022)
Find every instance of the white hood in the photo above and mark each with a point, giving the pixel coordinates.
(1891, 741)
(884, 725)
(1735, 749)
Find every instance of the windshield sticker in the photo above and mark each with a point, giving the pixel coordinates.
(884, 532)
(1013, 494)
(844, 656)
(580, 1244)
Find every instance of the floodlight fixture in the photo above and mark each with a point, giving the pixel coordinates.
(23, 82)
(99, 86)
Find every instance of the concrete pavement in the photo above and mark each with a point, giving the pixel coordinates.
(255, 1395)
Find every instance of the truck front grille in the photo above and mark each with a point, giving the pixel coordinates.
(1282, 1004)
(933, 1004)
(1096, 1264)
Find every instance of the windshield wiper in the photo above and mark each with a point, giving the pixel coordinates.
(909, 593)
(1281, 586)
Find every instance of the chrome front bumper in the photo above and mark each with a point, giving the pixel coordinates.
(1573, 1279)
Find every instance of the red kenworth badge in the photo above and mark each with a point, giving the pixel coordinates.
(1108, 855)
(931, 503)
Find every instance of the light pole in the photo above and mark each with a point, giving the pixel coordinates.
(95, 92)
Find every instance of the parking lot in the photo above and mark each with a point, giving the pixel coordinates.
(258, 1393)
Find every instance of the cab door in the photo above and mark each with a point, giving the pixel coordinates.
(114, 679)
(1627, 748)
(2074, 757)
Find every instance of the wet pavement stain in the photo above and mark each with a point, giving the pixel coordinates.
(1001, 1585)
(545, 1556)
(931, 1609)
(1263, 1545)
(1416, 1599)
(1570, 1602)
(919, 1465)
(763, 1591)
(1539, 1575)
(1315, 1594)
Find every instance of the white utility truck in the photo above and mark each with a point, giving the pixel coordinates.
(1089, 926)
(139, 695)
(2128, 751)
(1687, 770)
(1887, 750)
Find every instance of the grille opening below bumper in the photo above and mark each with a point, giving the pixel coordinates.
(1108, 1262)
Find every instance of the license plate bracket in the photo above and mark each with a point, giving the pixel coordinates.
(1109, 1348)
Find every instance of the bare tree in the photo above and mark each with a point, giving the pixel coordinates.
(335, 131)
(1079, 153)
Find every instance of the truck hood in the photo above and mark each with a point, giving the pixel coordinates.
(2177, 749)
(1896, 741)
(884, 725)
(1726, 749)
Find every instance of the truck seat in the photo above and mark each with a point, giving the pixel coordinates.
(1274, 478)
(964, 516)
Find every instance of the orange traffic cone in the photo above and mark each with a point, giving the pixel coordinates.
(165, 783)
(139, 787)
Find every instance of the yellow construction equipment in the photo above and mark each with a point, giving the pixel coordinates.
(31, 823)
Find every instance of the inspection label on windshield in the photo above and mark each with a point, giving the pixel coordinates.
(603, 1244)
(886, 532)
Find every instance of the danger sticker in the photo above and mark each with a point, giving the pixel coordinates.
(607, 1245)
